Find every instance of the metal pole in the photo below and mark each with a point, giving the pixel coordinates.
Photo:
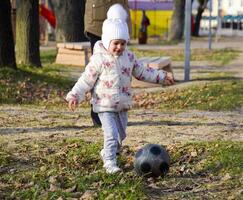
(219, 20)
(188, 11)
(210, 26)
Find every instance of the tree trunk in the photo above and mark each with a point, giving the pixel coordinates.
(178, 18)
(7, 54)
(197, 21)
(200, 10)
(70, 20)
(27, 33)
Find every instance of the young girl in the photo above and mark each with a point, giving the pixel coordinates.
(108, 75)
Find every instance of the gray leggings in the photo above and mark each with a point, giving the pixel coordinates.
(114, 126)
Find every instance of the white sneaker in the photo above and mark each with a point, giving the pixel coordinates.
(111, 167)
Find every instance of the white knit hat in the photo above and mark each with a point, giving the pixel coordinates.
(115, 26)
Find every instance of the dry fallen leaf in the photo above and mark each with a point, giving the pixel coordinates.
(88, 195)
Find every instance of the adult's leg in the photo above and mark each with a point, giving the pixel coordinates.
(93, 39)
(94, 116)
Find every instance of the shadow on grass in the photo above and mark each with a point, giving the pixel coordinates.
(176, 123)
(31, 74)
(217, 79)
(9, 131)
(28, 85)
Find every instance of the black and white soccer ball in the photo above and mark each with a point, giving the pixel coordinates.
(152, 161)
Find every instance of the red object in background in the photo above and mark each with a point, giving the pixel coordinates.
(48, 15)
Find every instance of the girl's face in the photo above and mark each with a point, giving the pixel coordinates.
(117, 47)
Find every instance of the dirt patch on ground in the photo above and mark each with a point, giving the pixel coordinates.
(150, 126)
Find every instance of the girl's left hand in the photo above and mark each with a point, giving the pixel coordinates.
(73, 102)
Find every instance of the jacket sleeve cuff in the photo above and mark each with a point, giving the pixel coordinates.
(72, 95)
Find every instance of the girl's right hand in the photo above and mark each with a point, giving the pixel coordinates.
(169, 79)
(73, 102)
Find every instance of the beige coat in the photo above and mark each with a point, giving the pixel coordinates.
(110, 77)
(95, 14)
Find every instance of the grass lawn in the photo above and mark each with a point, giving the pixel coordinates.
(70, 168)
(52, 168)
(215, 96)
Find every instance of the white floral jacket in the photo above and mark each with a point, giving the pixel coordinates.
(109, 78)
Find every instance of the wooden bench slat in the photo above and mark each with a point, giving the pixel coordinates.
(154, 59)
(74, 45)
(82, 45)
(156, 62)
(162, 61)
(64, 59)
(70, 51)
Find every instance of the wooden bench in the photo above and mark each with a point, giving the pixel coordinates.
(73, 53)
(161, 63)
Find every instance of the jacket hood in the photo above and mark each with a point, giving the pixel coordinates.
(99, 48)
